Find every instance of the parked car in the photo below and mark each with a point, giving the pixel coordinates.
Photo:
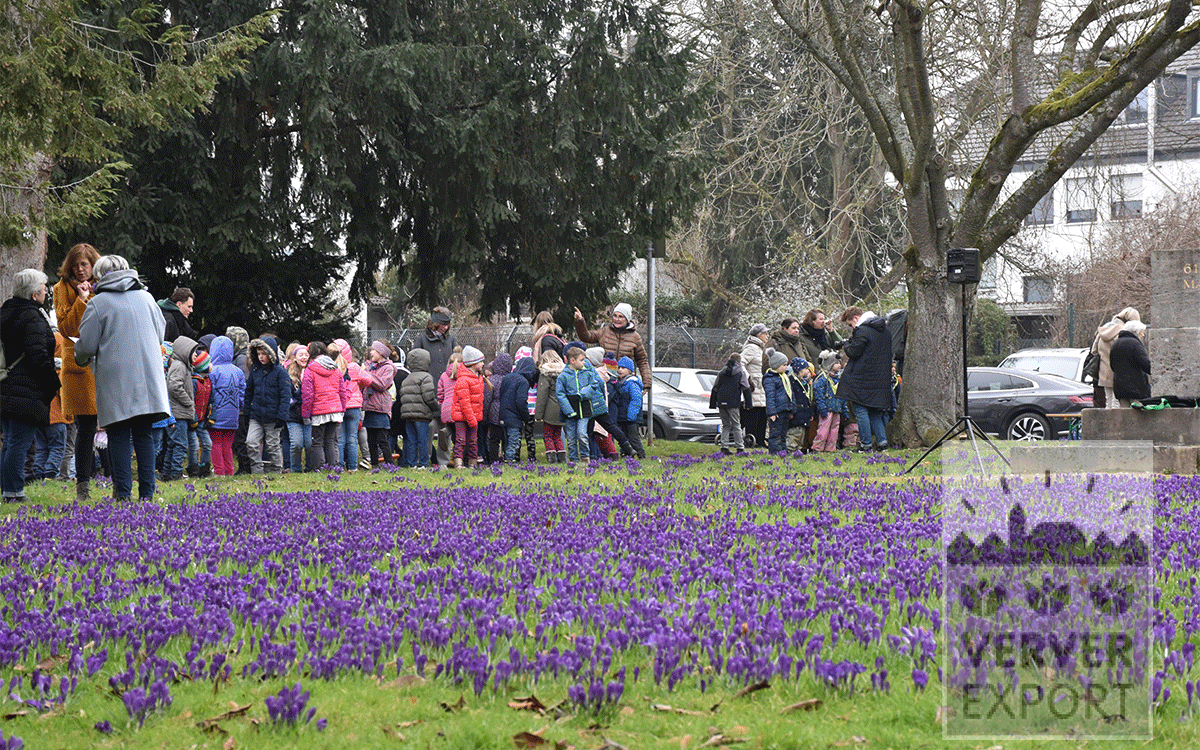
(1018, 404)
(1067, 363)
(681, 416)
(688, 380)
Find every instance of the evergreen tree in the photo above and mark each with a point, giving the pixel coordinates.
(525, 145)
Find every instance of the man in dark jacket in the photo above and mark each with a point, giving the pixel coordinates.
(32, 379)
(1130, 364)
(175, 310)
(866, 383)
(439, 342)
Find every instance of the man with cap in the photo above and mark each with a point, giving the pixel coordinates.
(440, 343)
(754, 360)
(618, 339)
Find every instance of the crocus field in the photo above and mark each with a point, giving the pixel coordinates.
(680, 601)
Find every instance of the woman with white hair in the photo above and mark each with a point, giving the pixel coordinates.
(120, 336)
(32, 378)
(1130, 364)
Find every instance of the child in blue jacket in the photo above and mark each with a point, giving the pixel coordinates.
(802, 402)
(629, 404)
(578, 389)
(777, 384)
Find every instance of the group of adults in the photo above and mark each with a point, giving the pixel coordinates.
(865, 380)
(1122, 364)
(112, 368)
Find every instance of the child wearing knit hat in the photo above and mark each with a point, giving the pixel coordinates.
(467, 409)
(628, 406)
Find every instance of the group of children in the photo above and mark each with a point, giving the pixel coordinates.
(587, 405)
(797, 393)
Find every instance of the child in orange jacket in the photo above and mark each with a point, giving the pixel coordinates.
(467, 411)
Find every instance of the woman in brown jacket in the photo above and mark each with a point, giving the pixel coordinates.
(71, 295)
(618, 339)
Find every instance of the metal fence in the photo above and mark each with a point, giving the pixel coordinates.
(675, 346)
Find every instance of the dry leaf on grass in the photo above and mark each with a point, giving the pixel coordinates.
(530, 703)
(408, 680)
(763, 685)
(720, 740)
(208, 725)
(229, 744)
(15, 715)
(811, 704)
(453, 707)
(528, 739)
(944, 715)
(406, 724)
(672, 710)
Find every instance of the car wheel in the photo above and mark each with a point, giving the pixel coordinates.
(659, 432)
(1028, 426)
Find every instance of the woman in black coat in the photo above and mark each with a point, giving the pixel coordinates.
(867, 380)
(32, 378)
(1130, 364)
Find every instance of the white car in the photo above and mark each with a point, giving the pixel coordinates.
(688, 380)
(1065, 363)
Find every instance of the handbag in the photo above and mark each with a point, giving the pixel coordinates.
(1091, 367)
(6, 368)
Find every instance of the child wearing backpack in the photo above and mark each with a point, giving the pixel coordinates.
(802, 402)
(547, 410)
(199, 441)
(578, 388)
(829, 408)
(730, 394)
(777, 383)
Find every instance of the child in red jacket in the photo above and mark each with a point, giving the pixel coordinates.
(467, 411)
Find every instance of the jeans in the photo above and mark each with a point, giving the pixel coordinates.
(176, 449)
(870, 424)
(301, 436)
(575, 435)
(66, 469)
(199, 446)
(324, 445)
(18, 436)
(125, 438)
(258, 433)
(349, 439)
(49, 443)
(416, 443)
(512, 442)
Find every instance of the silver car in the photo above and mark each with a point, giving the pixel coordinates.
(681, 416)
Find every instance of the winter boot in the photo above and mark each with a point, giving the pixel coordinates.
(551, 457)
(83, 492)
(562, 456)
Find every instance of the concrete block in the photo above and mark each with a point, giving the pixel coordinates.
(1164, 427)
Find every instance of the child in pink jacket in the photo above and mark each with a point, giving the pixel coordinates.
(445, 396)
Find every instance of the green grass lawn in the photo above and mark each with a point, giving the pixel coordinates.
(688, 519)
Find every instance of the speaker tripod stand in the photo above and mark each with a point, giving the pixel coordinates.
(963, 269)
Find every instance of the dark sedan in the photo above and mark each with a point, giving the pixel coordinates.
(1021, 405)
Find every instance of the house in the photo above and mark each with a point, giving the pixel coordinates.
(1150, 152)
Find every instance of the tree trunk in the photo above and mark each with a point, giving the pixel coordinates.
(27, 201)
(934, 380)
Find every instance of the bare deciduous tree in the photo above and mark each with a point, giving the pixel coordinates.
(1047, 82)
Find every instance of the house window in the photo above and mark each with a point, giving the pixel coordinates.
(1081, 202)
(1043, 212)
(1193, 93)
(1137, 111)
(1038, 289)
(1126, 196)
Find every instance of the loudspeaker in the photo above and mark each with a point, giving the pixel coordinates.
(962, 265)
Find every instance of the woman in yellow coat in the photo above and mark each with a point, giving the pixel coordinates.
(71, 295)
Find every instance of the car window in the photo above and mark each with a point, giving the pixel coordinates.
(706, 379)
(659, 381)
(1067, 367)
(672, 378)
(1017, 382)
(989, 381)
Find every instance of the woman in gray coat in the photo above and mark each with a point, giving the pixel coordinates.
(120, 337)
